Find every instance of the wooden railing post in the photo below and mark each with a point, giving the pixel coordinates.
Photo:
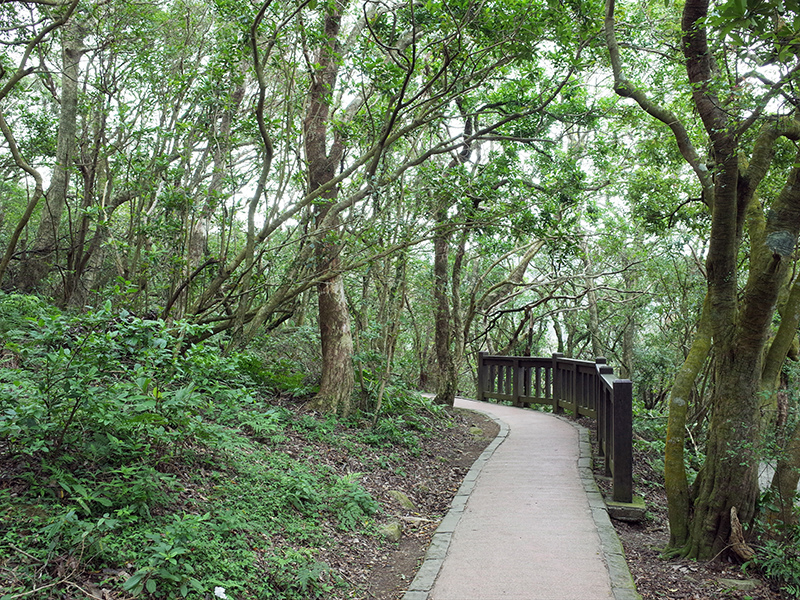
(556, 383)
(599, 363)
(516, 387)
(604, 418)
(623, 441)
(482, 376)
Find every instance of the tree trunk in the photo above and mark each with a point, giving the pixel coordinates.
(94, 174)
(675, 482)
(446, 381)
(729, 475)
(784, 482)
(336, 386)
(787, 470)
(559, 334)
(201, 223)
(393, 309)
(36, 195)
(39, 258)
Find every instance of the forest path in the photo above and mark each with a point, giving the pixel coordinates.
(528, 522)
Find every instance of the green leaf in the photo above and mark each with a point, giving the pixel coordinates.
(151, 586)
(133, 581)
(146, 406)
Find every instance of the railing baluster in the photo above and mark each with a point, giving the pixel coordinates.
(482, 375)
(555, 381)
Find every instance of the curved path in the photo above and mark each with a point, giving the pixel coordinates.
(528, 522)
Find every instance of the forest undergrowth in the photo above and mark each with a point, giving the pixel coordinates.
(134, 465)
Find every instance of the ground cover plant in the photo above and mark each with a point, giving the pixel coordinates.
(136, 465)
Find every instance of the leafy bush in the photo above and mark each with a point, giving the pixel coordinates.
(389, 432)
(277, 375)
(352, 504)
(89, 388)
(167, 570)
(130, 449)
(16, 310)
(410, 404)
(267, 426)
(287, 361)
(779, 561)
(298, 575)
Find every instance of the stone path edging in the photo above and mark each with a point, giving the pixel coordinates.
(437, 551)
(622, 585)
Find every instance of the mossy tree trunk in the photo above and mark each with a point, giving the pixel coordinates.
(787, 471)
(447, 377)
(675, 480)
(740, 318)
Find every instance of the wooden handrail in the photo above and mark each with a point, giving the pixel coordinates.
(580, 386)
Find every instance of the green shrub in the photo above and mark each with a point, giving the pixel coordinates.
(267, 426)
(167, 571)
(779, 561)
(351, 503)
(299, 576)
(99, 387)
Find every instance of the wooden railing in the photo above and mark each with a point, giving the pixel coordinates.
(580, 386)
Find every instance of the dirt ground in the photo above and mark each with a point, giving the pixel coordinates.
(657, 577)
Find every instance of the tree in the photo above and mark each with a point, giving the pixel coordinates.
(336, 337)
(37, 265)
(33, 38)
(739, 320)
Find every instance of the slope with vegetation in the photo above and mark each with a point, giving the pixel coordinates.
(135, 464)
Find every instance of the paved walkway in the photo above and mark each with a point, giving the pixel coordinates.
(528, 522)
